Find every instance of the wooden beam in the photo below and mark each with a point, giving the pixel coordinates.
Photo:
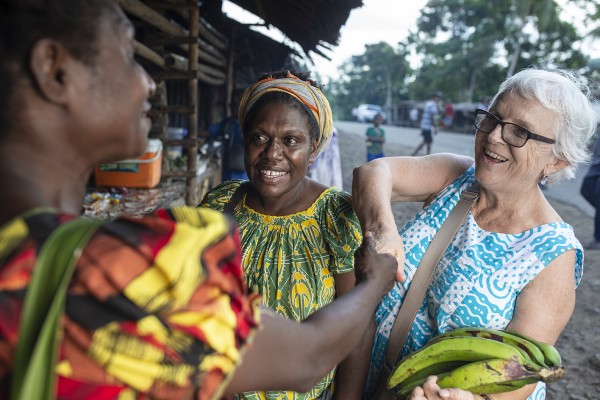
(146, 14)
(147, 53)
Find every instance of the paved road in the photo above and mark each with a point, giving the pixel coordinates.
(567, 191)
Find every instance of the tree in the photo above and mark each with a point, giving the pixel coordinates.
(478, 42)
(377, 76)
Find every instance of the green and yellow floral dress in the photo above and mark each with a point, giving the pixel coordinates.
(291, 260)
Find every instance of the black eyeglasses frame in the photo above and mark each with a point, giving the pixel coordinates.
(530, 135)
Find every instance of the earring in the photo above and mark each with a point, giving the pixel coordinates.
(544, 181)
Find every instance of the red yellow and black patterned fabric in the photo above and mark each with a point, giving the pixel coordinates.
(157, 307)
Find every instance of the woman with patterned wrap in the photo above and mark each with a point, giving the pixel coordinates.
(513, 264)
(298, 235)
(157, 307)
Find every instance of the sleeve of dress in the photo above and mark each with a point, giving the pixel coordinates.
(341, 230)
(164, 303)
(218, 196)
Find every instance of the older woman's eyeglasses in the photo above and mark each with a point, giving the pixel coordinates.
(513, 134)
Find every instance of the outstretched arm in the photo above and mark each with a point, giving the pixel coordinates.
(286, 355)
(376, 184)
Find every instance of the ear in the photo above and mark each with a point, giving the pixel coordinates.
(49, 63)
(555, 166)
(313, 152)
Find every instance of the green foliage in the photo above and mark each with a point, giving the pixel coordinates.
(479, 42)
(466, 47)
(369, 78)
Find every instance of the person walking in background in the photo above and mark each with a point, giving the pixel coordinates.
(448, 116)
(590, 190)
(228, 131)
(428, 122)
(375, 139)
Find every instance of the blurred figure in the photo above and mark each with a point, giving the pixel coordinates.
(228, 131)
(590, 190)
(428, 122)
(375, 139)
(327, 168)
(448, 116)
(413, 115)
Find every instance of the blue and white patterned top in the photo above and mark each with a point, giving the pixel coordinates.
(477, 280)
(429, 112)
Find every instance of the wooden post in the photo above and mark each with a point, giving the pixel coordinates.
(192, 150)
(230, 65)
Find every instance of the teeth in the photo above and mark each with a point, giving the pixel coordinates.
(272, 174)
(495, 156)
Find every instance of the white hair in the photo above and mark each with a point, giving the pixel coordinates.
(564, 93)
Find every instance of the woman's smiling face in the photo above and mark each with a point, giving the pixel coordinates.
(279, 149)
(503, 166)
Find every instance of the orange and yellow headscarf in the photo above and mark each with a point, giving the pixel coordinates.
(309, 95)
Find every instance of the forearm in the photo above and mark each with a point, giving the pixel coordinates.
(286, 355)
(371, 197)
(351, 375)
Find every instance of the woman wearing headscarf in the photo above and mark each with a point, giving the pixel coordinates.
(298, 236)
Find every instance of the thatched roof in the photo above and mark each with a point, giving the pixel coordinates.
(313, 24)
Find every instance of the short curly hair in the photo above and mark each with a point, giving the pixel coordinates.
(564, 93)
(74, 23)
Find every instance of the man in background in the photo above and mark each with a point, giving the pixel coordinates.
(428, 122)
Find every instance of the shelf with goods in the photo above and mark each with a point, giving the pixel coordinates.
(183, 53)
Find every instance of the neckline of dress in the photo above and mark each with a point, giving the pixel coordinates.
(309, 210)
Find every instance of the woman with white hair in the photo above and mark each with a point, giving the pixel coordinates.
(513, 263)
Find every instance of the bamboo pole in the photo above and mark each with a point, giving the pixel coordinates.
(230, 63)
(180, 63)
(192, 151)
(147, 53)
(146, 14)
(207, 31)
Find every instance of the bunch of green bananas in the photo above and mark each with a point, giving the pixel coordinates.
(479, 360)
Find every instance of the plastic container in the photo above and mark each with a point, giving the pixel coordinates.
(177, 134)
(142, 172)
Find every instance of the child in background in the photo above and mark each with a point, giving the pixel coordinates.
(375, 139)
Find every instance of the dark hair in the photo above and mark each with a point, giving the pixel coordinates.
(75, 23)
(304, 76)
(283, 98)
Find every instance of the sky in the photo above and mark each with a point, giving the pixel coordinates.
(392, 19)
(381, 20)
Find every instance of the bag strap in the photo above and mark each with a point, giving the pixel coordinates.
(33, 376)
(235, 198)
(420, 281)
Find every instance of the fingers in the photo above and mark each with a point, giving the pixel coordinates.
(391, 244)
(431, 391)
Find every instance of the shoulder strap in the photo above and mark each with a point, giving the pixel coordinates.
(235, 198)
(33, 375)
(420, 281)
